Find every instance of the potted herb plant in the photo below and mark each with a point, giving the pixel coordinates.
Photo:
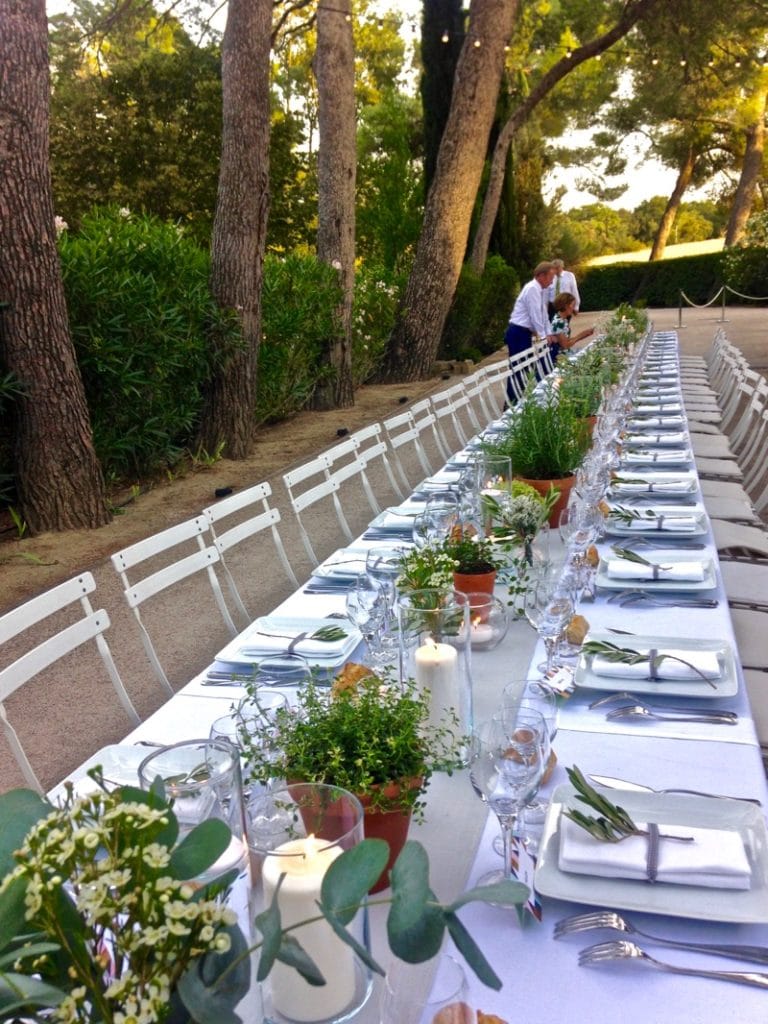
(547, 442)
(476, 560)
(368, 735)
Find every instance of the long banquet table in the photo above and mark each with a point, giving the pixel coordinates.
(542, 980)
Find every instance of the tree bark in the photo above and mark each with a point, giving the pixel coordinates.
(334, 67)
(633, 11)
(440, 251)
(240, 225)
(751, 169)
(439, 57)
(684, 175)
(58, 477)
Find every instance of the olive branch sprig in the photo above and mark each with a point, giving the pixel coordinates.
(632, 556)
(628, 656)
(629, 515)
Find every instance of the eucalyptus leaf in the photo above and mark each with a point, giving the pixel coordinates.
(506, 893)
(20, 993)
(12, 912)
(351, 941)
(20, 809)
(350, 876)
(200, 849)
(416, 923)
(215, 983)
(269, 924)
(293, 954)
(471, 952)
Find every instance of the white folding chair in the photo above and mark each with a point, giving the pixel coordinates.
(522, 366)
(370, 446)
(475, 386)
(543, 352)
(401, 431)
(446, 405)
(227, 537)
(91, 626)
(496, 396)
(425, 422)
(203, 559)
(327, 487)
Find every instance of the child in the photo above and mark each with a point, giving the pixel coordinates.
(565, 304)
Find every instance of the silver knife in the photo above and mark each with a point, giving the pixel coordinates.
(636, 787)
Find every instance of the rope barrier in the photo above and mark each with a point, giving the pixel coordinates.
(723, 290)
(753, 298)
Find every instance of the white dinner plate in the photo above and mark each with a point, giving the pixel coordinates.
(344, 564)
(726, 686)
(621, 529)
(253, 644)
(697, 902)
(606, 582)
(119, 766)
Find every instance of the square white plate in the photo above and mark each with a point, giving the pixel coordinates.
(619, 528)
(697, 902)
(250, 647)
(688, 484)
(606, 582)
(726, 686)
(645, 457)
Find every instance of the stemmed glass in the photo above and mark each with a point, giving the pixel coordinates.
(253, 717)
(532, 695)
(366, 606)
(548, 609)
(507, 764)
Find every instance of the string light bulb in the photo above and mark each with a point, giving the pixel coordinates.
(445, 38)
(568, 53)
(654, 60)
(476, 43)
(737, 62)
(683, 62)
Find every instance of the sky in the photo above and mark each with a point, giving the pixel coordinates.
(644, 178)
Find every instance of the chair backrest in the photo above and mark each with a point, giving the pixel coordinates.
(446, 405)
(301, 498)
(425, 422)
(401, 431)
(90, 626)
(495, 397)
(475, 387)
(522, 366)
(136, 593)
(370, 446)
(252, 502)
(543, 352)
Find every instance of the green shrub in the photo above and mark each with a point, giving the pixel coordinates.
(139, 310)
(745, 266)
(299, 298)
(480, 311)
(377, 295)
(655, 284)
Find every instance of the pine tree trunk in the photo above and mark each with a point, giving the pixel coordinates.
(58, 477)
(439, 56)
(240, 225)
(750, 173)
(632, 12)
(442, 243)
(334, 66)
(684, 175)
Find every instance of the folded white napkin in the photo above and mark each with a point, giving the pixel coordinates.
(673, 524)
(669, 455)
(679, 572)
(274, 635)
(676, 438)
(657, 421)
(669, 486)
(715, 859)
(658, 407)
(443, 478)
(705, 661)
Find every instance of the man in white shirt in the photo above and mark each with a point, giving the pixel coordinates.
(562, 281)
(529, 316)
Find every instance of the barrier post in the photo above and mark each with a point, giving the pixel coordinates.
(722, 319)
(680, 311)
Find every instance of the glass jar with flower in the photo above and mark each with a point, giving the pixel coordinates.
(520, 528)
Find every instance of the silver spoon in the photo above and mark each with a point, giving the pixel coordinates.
(639, 702)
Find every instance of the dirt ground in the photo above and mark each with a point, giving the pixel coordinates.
(68, 712)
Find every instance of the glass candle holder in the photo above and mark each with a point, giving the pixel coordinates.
(434, 628)
(297, 833)
(488, 621)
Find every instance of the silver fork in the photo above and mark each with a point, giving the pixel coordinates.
(623, 950)
(615, 922)
(627, 597)
(678, 542)
(632, 698)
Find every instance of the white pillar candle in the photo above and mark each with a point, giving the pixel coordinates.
(437, 670)
(304, 863)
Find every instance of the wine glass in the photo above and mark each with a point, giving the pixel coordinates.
(506, 767)
(251, 721)
(548, 609)
(533, 695)
(280, 670)
(448, 999)
(366, 606)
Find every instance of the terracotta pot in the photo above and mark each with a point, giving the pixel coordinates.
(475, 582)
(390, 825)
(564, 485)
